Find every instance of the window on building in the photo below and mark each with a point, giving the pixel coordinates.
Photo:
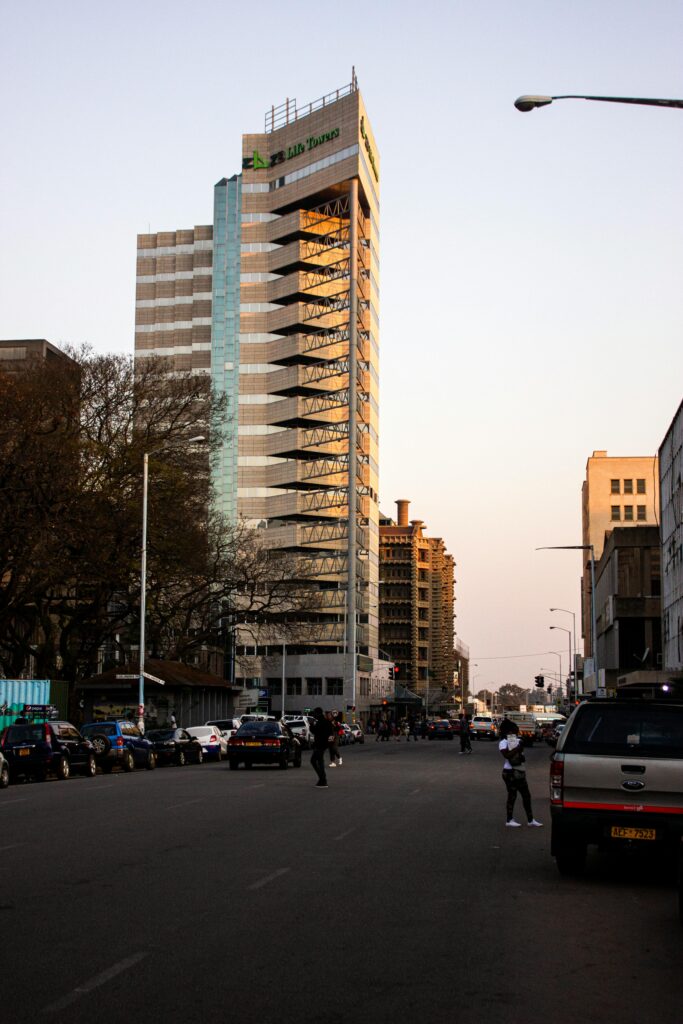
(628, 513)
(628, 486)
(274, 686)
(640, 486)
(642, 514)
(314, 687)
(293, 687)
(615, 487)
(335, 687)
(616, 513)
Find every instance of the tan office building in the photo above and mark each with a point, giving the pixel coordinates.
(616, 492)
(279, 301)
(416, 603)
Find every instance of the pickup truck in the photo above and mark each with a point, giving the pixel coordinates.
(483, 727)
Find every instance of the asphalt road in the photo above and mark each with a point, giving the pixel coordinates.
(198, 894)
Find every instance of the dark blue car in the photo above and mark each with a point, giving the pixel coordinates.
(120, 742)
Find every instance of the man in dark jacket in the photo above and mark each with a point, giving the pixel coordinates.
(323, 734)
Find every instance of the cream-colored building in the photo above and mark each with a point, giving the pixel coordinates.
(617, 491)
(279, 301)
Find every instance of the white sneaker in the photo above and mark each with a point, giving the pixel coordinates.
(534, 824)
(339, 762)
(512, 824)
(332, 764)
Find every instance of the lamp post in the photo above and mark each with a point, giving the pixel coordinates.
(572, 671)
(143, 581)
(599, 691)
(569, 634)
(527, 103)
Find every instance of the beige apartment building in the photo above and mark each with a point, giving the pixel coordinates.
(416, 603)
(278, 300)
(617, 491)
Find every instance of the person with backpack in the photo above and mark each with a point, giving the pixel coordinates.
(514, 774)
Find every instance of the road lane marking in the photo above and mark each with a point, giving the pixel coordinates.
(10, 803)
(259, 785)
(109, 785)
(268, 878)
(345, 834)
(186, 803)
(96, 982)
(12, 847)
(414, 792)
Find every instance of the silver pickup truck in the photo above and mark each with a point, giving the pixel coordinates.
(482, 727)
(616, 778)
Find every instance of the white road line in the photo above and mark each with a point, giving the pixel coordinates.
(414, 792)
(96, 982)
(12, 847)
(345, 834)
(186, 803)
(268, 878)
(10, 803)
(259, 785)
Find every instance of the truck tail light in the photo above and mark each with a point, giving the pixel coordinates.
(47, 735)
(557, 781)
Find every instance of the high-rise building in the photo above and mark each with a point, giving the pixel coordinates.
(671, 482)
(616, 492)
(416, 603)
(279, 301)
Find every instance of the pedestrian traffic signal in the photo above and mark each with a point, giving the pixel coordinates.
(539, 682)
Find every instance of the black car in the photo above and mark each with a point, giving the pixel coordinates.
(33, 749)
(264, 743)
(441, 730)
(175, 746)
(120, 742)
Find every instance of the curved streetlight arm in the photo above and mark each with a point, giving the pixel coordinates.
(527, 103)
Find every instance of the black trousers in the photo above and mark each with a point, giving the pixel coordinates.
(515, 786)
(318, 762)
(465, 743)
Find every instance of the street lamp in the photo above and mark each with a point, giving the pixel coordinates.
(143, 582)
(569, 634)
(573, 672)
(527, 103)
(599, 692)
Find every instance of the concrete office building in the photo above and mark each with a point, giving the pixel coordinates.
(417, 604)
(671, 476)
(616, 492)
(278, 300)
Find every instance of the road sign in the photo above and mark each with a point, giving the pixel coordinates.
(146, 675)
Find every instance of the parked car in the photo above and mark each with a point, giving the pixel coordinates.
(227, 726)
(301, 726)
(482, 727)
(33, 749)
(357, 733)
(214, 744)
(120, 742)
(176, 746)
(440, 730)
(4, 773)
(264, 743)
(346, 736)
(616, 779)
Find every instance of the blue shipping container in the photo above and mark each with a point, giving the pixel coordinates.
(14, 693)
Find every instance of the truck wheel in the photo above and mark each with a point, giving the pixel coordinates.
(570, 858)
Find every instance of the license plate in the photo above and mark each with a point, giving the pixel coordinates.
(24, 752)
(632, 833)
(253, 744)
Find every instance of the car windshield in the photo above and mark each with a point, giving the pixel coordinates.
(200, 731)
(258, 729)
(105, 728)
(161, 734)
(25, 734)
(626, 731)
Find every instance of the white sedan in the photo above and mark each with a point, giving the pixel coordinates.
(214, 743)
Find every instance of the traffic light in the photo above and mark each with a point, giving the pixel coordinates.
(539, 681)
(396, 671)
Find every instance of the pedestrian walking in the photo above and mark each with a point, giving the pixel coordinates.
(412, 728)
(322, 737)
(514, 775)
(465, 740)
(337, 730)
(424, 728)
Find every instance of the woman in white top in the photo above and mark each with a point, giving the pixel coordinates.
(514, 774)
